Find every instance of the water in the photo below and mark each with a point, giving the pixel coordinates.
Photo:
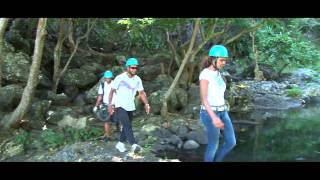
(291, 135)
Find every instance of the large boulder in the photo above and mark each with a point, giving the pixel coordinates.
(91, 95)
(57, 99)
(78, 78)
(198, 136)
(57, 114)
(190, 144)
(38, 113)
(9, 149)
(176, 102)
(10, 97)
(13, 37)
(302, 75)
(70, 121)
(149, 72)
(16, 67)
(276, 102)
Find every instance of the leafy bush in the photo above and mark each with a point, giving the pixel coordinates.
(84, 134)
(294, 92)
(52, 139)
(280, 46)
(21, 138)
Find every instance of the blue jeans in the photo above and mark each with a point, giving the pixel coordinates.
(213, 134)
(125, 118)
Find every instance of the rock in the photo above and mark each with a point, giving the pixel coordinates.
(149, 128)
(10, 149)
(58, 99)
(39, 109)
(191, 111)
(71, 91)
(175, 140)
(303, 74)
(176, 123)
(45, 81)
(190, 144)
(78, 78)
(275, 102)
(38, 113)
(92, 94)
(176, 102)
(198, 136)
(162, 133)
(149, 72)
(194, 95)
(156, 148)
(182, 131)
(10, 96)
(13, 37)
(69, 121)
(16, 67)
(58, 114)
(79, 100)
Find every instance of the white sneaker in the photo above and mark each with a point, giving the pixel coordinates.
(121, 147)
(135, 148)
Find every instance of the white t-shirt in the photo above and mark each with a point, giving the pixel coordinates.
(216, 86)
(126, 90)
(107, 89)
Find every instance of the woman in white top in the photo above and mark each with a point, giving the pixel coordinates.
(213, 111)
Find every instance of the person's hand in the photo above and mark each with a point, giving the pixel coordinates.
(217, 122)
(147, 108)
(110, 109)
(95, 109)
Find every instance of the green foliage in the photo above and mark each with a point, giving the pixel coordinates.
(21, 138)
(83, 134)
(279, 45)
(52, 139)
(294, 92)
(150, 141)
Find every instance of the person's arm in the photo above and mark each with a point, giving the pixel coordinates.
(99, 98)
(204, 99)
(110, 108)
(144, 99)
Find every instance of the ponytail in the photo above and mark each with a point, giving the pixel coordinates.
(208, 61)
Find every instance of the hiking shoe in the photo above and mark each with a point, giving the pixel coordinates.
(121, 147)
(136, 148)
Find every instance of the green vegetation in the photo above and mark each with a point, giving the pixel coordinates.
(294, 92)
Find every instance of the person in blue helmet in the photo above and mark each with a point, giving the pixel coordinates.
(213, 111)
(102, 104)
(127, 84)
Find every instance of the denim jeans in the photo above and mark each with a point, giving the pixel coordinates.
(213, 133)
(125, 118)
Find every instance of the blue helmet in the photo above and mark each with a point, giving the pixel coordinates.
(131, 62)
(218, 51)
(107, 74)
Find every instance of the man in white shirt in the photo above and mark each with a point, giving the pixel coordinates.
(127, 85)
(103, 95)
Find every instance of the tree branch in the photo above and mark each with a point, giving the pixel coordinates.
(243, 32)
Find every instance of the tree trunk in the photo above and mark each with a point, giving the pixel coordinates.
(258, 75)
(90, 26)
(57, 53)
(3, 25)
(164, 109)
(33, 79)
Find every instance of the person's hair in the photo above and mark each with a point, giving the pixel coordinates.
(208, 61)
